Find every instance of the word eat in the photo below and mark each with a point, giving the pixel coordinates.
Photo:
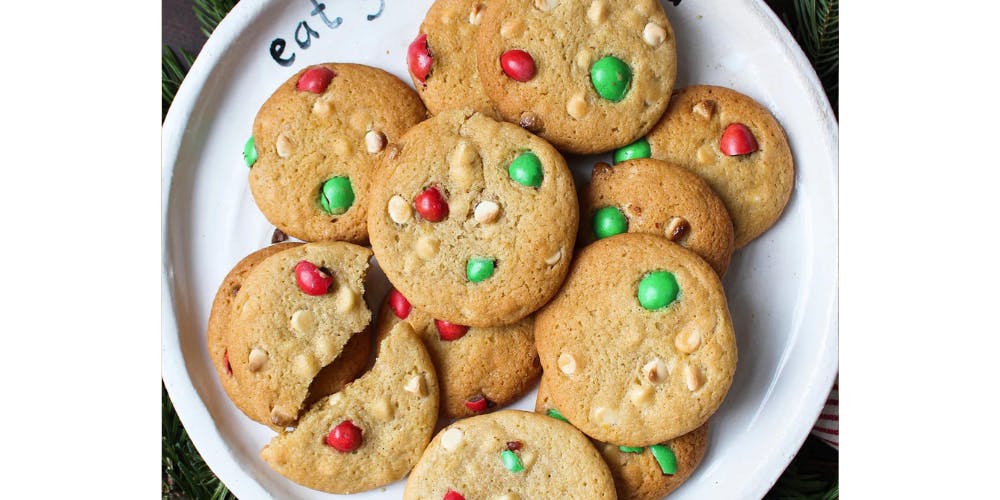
(304, 33)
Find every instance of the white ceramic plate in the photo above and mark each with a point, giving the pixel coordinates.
(782, 288)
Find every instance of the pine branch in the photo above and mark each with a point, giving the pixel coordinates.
(210, 13)
(174, 71)
(817, 29)
(185, 474)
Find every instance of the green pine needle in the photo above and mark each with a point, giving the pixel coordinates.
(210, 13)
(817, 29)
(174, 71)
(185, 474)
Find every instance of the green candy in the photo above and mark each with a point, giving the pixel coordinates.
(511, 461)
(479, 269)
(657, 290)
(609, 221)
(611, 78)
(665, 457)
(526, 170)
(336, 196)
(638, 149)
(630, 449)
(250, 152)
(554, 413)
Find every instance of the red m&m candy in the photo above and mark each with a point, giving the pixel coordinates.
(518, 65)
(453, 495)
(478, 403)
(399, 305)
(431, 205)
(418, 58)
(450, 331)
(315, 80)
(311, 279)
(737, 140)
(345, 437)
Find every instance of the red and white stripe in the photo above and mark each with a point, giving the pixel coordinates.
(827, 426)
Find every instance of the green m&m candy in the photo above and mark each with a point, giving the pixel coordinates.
(554, 413)
(526, 170)
(638, 149)
(609, 221)
(631, 449)
(477, 269)
(657, 290)
(250, 152)
(611, 78)
(336, 196)
(511, 461)
(665, 457)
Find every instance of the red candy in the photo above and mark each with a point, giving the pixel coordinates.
(399, 305)
(514, 445)
(315, 80)
(311, 279)
(477, 404)
(518, 65)
(418, 58)
(737, 140)
(345, 437)
(225, 361)
(453, 495)
(450, 331)
(431, 205)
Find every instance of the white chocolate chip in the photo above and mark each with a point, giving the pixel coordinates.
(688, 342)
(416, 385)
(382, 408)
(597, 12)
(655, 372)
(546, 5)
(462, 162)
(694, 378)
(704, 109)
(486, 212)
(706, 154)
(326, 347)
(427, 247)
(554, 258)
(374, 141)
(640, 395)
(284, 146)
(653, 34)
(605, 416)
(305, 365)
(399, 210)
(476, 14)
(676, 228)
(257, 359)
(510, 496)
(303, 322)
(567, 363)
(335, 399)
(347, 299)
(577, 106)
(582, 59)
(451, 440)
(322, 107)
(281, 416)
(511, 28)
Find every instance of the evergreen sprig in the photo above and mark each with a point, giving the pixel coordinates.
(210, 13)
(174, 71)
(817, 29)
(185, 474)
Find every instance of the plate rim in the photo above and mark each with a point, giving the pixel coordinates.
(194, 414)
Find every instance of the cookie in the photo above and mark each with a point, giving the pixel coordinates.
(440, 61)
(293, 314)
(316, 143)
(351, 362)
(474, 220)
(371, 433)
(640, 474)
(656, 197)
(736, 145)
(638, 347)
(479, 368)
(588, 76)
(510, 454)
